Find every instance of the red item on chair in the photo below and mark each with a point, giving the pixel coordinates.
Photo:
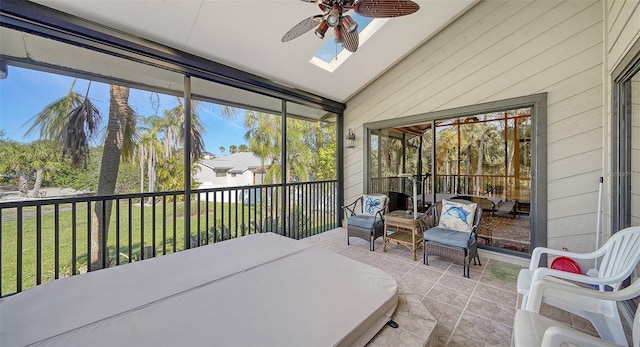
(566, 264)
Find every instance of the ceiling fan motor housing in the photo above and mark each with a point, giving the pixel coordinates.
(333, 18)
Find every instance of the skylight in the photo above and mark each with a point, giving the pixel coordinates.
(331, 55)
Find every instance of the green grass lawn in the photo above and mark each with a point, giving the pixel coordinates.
(139, 220)
(153, 235)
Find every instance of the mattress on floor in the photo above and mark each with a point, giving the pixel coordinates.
(258, 290)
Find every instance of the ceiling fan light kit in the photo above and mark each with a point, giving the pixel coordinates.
(322, 29)
(337, 33)
(344, 26)
(349, 24)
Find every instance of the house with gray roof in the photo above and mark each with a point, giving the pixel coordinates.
(237, 169)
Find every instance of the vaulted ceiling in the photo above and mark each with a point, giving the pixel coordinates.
(246, 34)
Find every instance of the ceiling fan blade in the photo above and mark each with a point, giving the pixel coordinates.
(302, 27)
(385, 8)
(350, 40)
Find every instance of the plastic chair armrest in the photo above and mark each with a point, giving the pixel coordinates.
(539, 251)
(542, 272)
(557, 336)
(558, 289)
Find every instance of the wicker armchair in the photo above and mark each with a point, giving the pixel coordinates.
(365, 217)
(460, 246)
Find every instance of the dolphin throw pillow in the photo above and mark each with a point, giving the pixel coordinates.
(457, 216)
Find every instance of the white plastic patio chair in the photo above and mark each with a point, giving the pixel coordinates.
(532, 329)
(620, 256)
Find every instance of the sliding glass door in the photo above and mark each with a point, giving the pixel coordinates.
(477, 153)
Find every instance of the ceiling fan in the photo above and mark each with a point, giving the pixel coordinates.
(346, 28)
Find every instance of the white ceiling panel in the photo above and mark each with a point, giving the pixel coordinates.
(246, 34)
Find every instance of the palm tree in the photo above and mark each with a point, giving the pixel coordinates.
(41, 156)
(149, 148)
(265, 140)
(169, 125)
(197, 129)
(119, 141)
(71, 122)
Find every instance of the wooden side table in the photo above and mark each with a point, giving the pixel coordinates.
(408, 230)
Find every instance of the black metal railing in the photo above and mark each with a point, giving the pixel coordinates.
(45, 239)
(508, 187)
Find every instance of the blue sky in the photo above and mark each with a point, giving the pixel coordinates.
(330, 49)
(26, 92)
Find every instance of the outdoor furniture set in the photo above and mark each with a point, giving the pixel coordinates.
(451, 234)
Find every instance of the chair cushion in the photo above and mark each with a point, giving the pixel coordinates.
(448, 237)
(373, 203)
(457, 216)
(364, 221)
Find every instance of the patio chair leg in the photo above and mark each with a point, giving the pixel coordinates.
(425, 257)
(372, 246)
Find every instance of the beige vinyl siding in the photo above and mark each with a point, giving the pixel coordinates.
(635, 150)
(623, 28)
(500, 50)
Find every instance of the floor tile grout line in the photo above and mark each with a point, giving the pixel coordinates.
(467, 304)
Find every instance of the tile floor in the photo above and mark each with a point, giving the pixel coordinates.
(476, 311)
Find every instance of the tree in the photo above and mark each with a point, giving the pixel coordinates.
(41, 156)
(171, 172)
(71, 122)
(233, 149)
(118, 142)
(222, 149)
(299, 154)
(148, 150)
(321, 140)
(13, 160)
(196, 130)
(243, 148)
(265, 140)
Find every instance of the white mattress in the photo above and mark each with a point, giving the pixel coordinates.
(258, 290)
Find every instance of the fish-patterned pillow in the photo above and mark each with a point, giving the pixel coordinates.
(373, 203)
(457, 216)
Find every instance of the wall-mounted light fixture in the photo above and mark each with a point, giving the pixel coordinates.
(351, 139)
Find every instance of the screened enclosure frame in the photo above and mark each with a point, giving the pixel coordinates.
(41, 21)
